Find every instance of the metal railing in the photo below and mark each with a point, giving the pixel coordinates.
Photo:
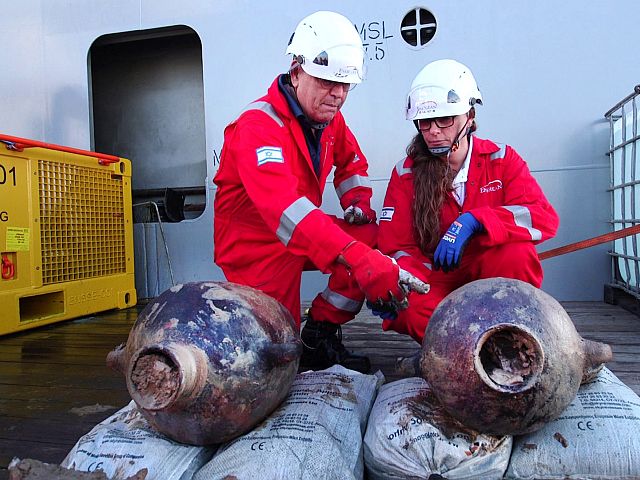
(624, 161)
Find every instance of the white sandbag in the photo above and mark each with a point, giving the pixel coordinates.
(410, 436)
(125, 443)
(596, 437)
(315, 434)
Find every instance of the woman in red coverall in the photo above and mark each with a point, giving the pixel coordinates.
(458, 208)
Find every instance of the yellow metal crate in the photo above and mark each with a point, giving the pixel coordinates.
(66, 233)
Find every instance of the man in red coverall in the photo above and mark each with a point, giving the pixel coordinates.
(458, 208)
(275, 160)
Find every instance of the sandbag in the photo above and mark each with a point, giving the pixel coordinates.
(596, 437)
(315, 434)
(410, 436)
(125, 443)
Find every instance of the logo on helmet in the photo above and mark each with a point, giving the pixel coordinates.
(346, 72)
(426, 107)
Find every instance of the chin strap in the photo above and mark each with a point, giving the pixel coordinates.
(440, 151)
(448, 150)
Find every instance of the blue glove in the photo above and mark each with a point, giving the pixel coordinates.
(449, 251)
(385, 311)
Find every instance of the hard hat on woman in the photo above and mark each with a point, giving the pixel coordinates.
(444, 88)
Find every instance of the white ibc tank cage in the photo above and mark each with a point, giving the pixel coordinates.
(624, 157)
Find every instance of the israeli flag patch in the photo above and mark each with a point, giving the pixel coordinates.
(269, 155)
(387, 213)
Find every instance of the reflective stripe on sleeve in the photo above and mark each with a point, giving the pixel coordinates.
(522, 218)
(401, 169)
(266, 108)
(500, 153)
(292, 216)
(399, 254)
(340, 301)
(352, 182)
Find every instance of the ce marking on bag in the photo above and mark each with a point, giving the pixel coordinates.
(585, 426)
(262, 446)
(95, 466)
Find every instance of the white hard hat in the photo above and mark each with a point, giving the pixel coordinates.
(327, 45)
(441, 89)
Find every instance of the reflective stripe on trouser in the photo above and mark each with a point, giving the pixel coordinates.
(343, 299)
(511, 260)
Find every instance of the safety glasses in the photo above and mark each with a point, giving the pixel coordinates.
(424, 124)
(330, 84)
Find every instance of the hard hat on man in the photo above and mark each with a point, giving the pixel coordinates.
(327, 45)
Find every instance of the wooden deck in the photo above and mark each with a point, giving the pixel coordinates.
(54, 385)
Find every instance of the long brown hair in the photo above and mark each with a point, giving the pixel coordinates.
(432, 179)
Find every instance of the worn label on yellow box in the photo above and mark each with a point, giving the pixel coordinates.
(17, 239)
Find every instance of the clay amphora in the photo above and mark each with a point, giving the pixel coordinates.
(504, 358)
(206, 362)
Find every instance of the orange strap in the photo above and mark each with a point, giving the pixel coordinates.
(590, 242)
(19, 144)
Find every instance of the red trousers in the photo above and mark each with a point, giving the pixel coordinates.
(280, 278)
(517, 260)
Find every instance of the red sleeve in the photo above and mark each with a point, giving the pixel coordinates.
(526, 214)
(270, 179)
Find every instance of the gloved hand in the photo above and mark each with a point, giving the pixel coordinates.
(359, 214)
(379, 276)
(449, 251)
(376, 274)
(383, 310)
(408, 283)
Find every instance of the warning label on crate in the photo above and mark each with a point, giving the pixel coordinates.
(17, 239)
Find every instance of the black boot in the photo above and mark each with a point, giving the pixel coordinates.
(323, 348)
